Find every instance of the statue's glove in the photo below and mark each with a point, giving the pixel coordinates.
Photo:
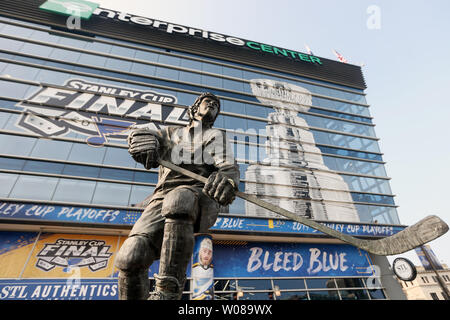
(220, 188)
(143, 147)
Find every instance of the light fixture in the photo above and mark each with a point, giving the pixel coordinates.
(276, 290)
(240, 293)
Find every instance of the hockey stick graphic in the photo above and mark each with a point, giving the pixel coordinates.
(424, 231)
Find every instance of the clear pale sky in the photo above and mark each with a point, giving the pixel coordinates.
(405, 50)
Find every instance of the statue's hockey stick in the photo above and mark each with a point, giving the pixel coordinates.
(424, 231)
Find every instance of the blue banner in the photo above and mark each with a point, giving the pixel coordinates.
(288, 226)
(78, 214)
(290, 260)
(29, 211)
(59, 289)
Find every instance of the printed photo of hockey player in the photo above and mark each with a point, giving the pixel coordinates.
(202, 269)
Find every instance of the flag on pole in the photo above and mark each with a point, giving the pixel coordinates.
(340, 56)
(308, 50)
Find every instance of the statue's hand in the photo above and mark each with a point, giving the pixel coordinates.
(220, 188)
(143, 147)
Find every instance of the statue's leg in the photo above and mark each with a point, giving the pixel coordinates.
(133, 260)
(180, 208)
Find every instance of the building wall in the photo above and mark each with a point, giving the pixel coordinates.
(426, 286)
(66, 101)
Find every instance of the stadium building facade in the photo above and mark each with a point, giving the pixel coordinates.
(299, 124)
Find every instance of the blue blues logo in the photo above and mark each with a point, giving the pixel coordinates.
(95, 110)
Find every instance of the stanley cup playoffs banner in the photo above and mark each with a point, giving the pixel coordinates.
(292, 176)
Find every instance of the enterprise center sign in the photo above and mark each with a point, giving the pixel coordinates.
(86, 9)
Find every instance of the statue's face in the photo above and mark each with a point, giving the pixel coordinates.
(207, 110)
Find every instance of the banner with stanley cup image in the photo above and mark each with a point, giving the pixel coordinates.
(202, 268)
(294, 175)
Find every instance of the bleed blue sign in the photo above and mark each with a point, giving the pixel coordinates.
(290, 260)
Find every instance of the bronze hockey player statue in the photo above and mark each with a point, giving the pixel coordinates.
(179, 205)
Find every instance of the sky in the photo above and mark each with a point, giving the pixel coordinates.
(404, 49)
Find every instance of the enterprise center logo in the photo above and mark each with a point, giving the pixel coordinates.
(85, 9)
(77, 8)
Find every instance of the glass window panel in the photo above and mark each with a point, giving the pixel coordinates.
(139, 193)
(36, 49)
(258, 127)
(118, 157)
(116, 64)
(354, 295)
(11, 45)
(238, 206)
(11, 164)
(85, 153)
(53, 77)
(146, 177)
(377, 294)
(9, 144)
(111, 194)
(211, 81)
(257, 111)
(233, 72)
(224, 296)
(147, 56)
(191, 64)
(17, 31)
(51, 149)
(44, 36)
(289, 283)
(123, 51)
(72, 190)
(233, 106)
(212, 68)
(167, 73)
(43, 166)
(14, 89)
(316, 283)
(255, 296)
(293, 295)
(170, 60)
(225, 285)
(235, 123)
(233, 85)
(323, 295)
(190, 77)
(6, 183)
(98, 46)
(186, 99)
(69, 41)
(33, 187)
(255, 284)
(350, 283)
(116, 174)
(92, 60)
(65, 55)
(81, 171)
(143, 69)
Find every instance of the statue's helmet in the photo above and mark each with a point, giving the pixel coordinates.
(192, 110)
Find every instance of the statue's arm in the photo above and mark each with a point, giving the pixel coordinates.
(221, 184)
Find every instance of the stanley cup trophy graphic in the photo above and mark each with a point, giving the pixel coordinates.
(294, 175)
